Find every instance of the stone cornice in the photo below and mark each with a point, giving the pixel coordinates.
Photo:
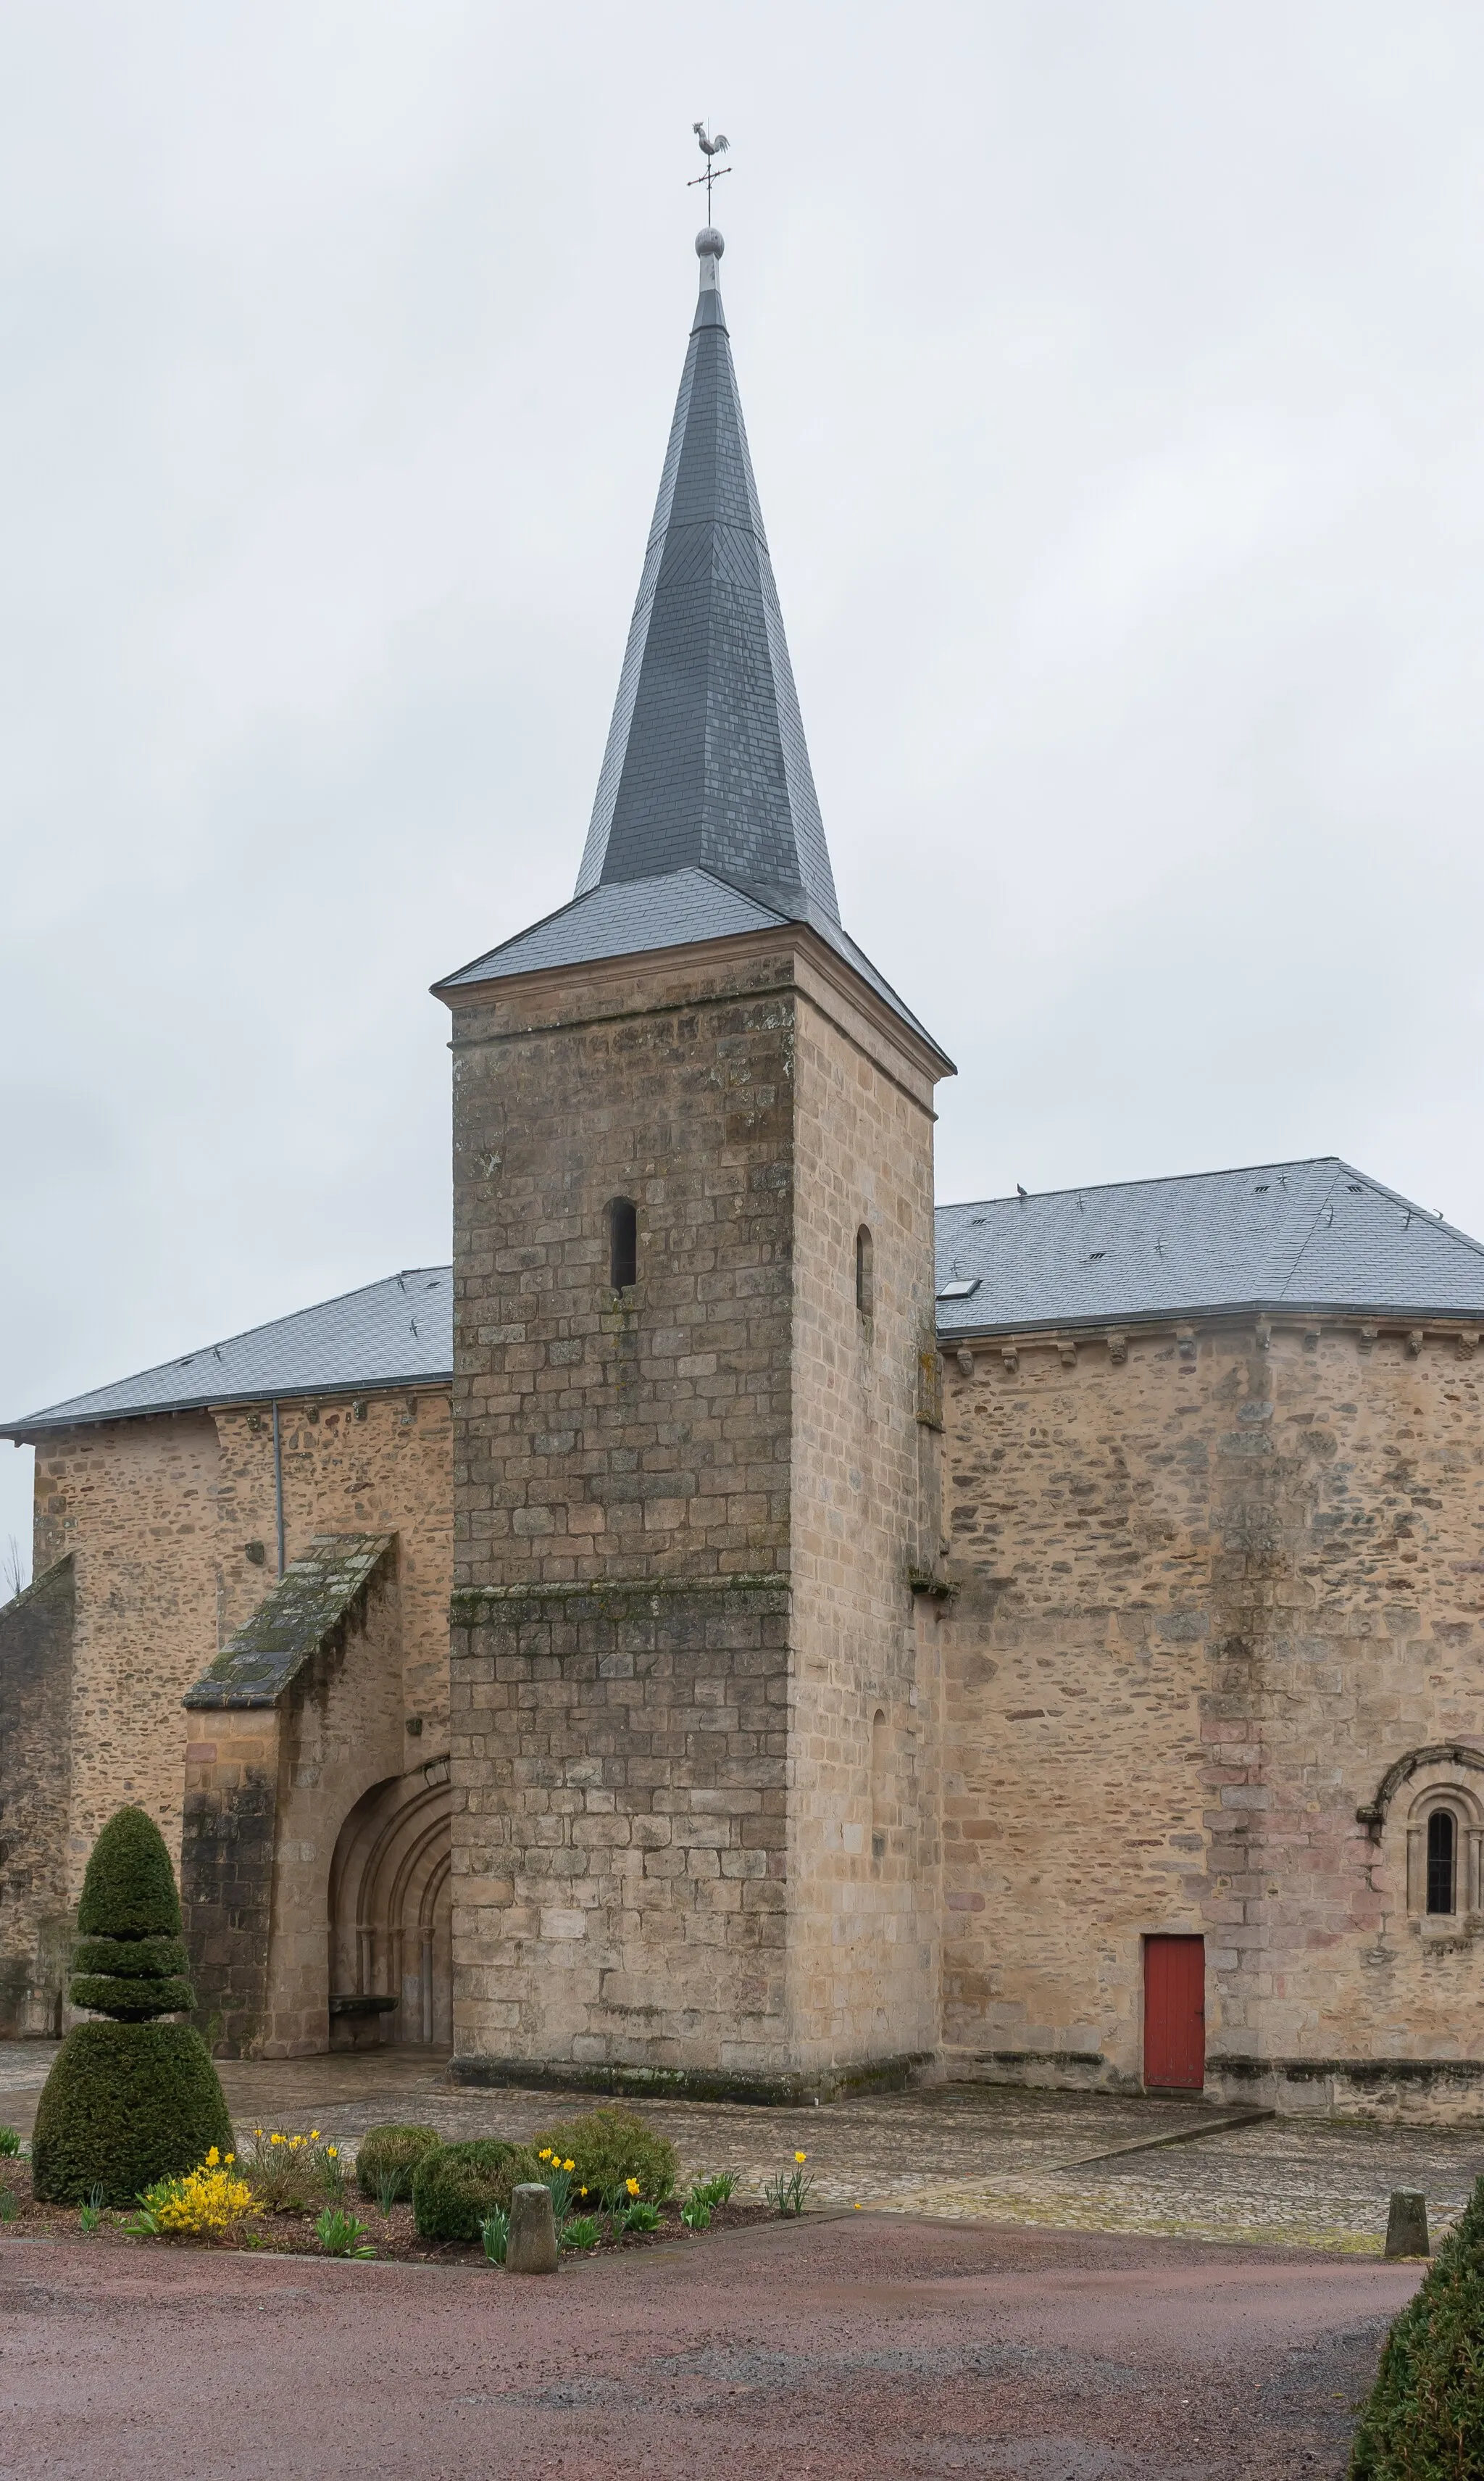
(1277, 1317)
(469, 1605)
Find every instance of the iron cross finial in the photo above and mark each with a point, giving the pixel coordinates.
(710, 147)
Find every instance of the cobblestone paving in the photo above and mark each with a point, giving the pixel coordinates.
(983, 2154)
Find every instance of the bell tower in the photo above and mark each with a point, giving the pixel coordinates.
(694, 1826)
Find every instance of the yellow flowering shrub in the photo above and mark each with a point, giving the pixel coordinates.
(201, 2203)
(291, 2173)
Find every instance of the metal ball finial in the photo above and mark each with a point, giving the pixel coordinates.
(709, 243)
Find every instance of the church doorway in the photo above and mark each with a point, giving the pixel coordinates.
(1175, 2013)
(391, 1965)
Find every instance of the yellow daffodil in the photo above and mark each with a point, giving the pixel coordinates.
(801, 2158)
(314, 2136)
(229, 2158)
(275, 2140)
(545, 2153)
(857, 2205)
(332, 2153)
(632, 2188)
(213, 2158)
(570, 2166)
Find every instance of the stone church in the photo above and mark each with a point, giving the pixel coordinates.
(738, 1629)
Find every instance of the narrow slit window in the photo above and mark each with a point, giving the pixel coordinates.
(879, 1760)
(1441, 1861)
(864, 1275)
(622, 1244)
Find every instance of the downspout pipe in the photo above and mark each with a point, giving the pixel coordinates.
(278, 1482)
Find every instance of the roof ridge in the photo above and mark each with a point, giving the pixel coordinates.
(1291, 1235)
(1159, 1180)
(1431, 1221)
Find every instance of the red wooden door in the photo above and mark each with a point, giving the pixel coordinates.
(1175, 2012)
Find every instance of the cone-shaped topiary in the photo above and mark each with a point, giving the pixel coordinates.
(1425, 2417)
(130, 1961)
(131, 2101)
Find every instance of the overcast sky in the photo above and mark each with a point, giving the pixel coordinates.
(1114, 375)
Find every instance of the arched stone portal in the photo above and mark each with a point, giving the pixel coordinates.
(389, 1915)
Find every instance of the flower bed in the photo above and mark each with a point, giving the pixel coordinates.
(208, 2209)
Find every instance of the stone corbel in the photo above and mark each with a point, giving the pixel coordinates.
(1117, 1349)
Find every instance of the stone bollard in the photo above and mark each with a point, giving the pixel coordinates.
(532, 2244)
(1406, 2225)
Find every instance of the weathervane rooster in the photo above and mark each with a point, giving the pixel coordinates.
(711, 148)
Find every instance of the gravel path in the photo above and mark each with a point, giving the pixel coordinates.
(866, 2344)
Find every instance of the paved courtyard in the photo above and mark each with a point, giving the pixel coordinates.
(975, 2153)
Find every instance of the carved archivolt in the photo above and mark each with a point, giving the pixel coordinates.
(1444, 1753)
(1434, 1772)
(389, 1896)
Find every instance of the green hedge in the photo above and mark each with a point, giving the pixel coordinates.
(610, 2145)
(455, 2187)
(1424, 2418)
(125, 2104)
(396, 2150)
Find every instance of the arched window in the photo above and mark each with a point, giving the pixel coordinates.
(622, 1244)
(1442, 1862)
(880, 1754)
(863, 1285)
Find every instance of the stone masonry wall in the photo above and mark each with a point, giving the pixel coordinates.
(1210, 1593)
(228, 1840)
(619, 1759)
(135, 1504)
(268, 1790)
(863, 1874)
(637, 1836)
(36, 1692)
(170, 1524)
(369, 1464)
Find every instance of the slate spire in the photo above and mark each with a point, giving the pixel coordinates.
(705, 765)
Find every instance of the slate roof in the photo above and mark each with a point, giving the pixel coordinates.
(387, 1334)
(706, 821)
(1315, 1235)
(312, 1599)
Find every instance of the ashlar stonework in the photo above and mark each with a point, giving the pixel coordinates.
(675, 1630)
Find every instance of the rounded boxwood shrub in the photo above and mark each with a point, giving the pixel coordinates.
(455, 2187)
(610, 2145)
(125, 2104)
(1425, 2417)
(129, 2102)
(393, 2152)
